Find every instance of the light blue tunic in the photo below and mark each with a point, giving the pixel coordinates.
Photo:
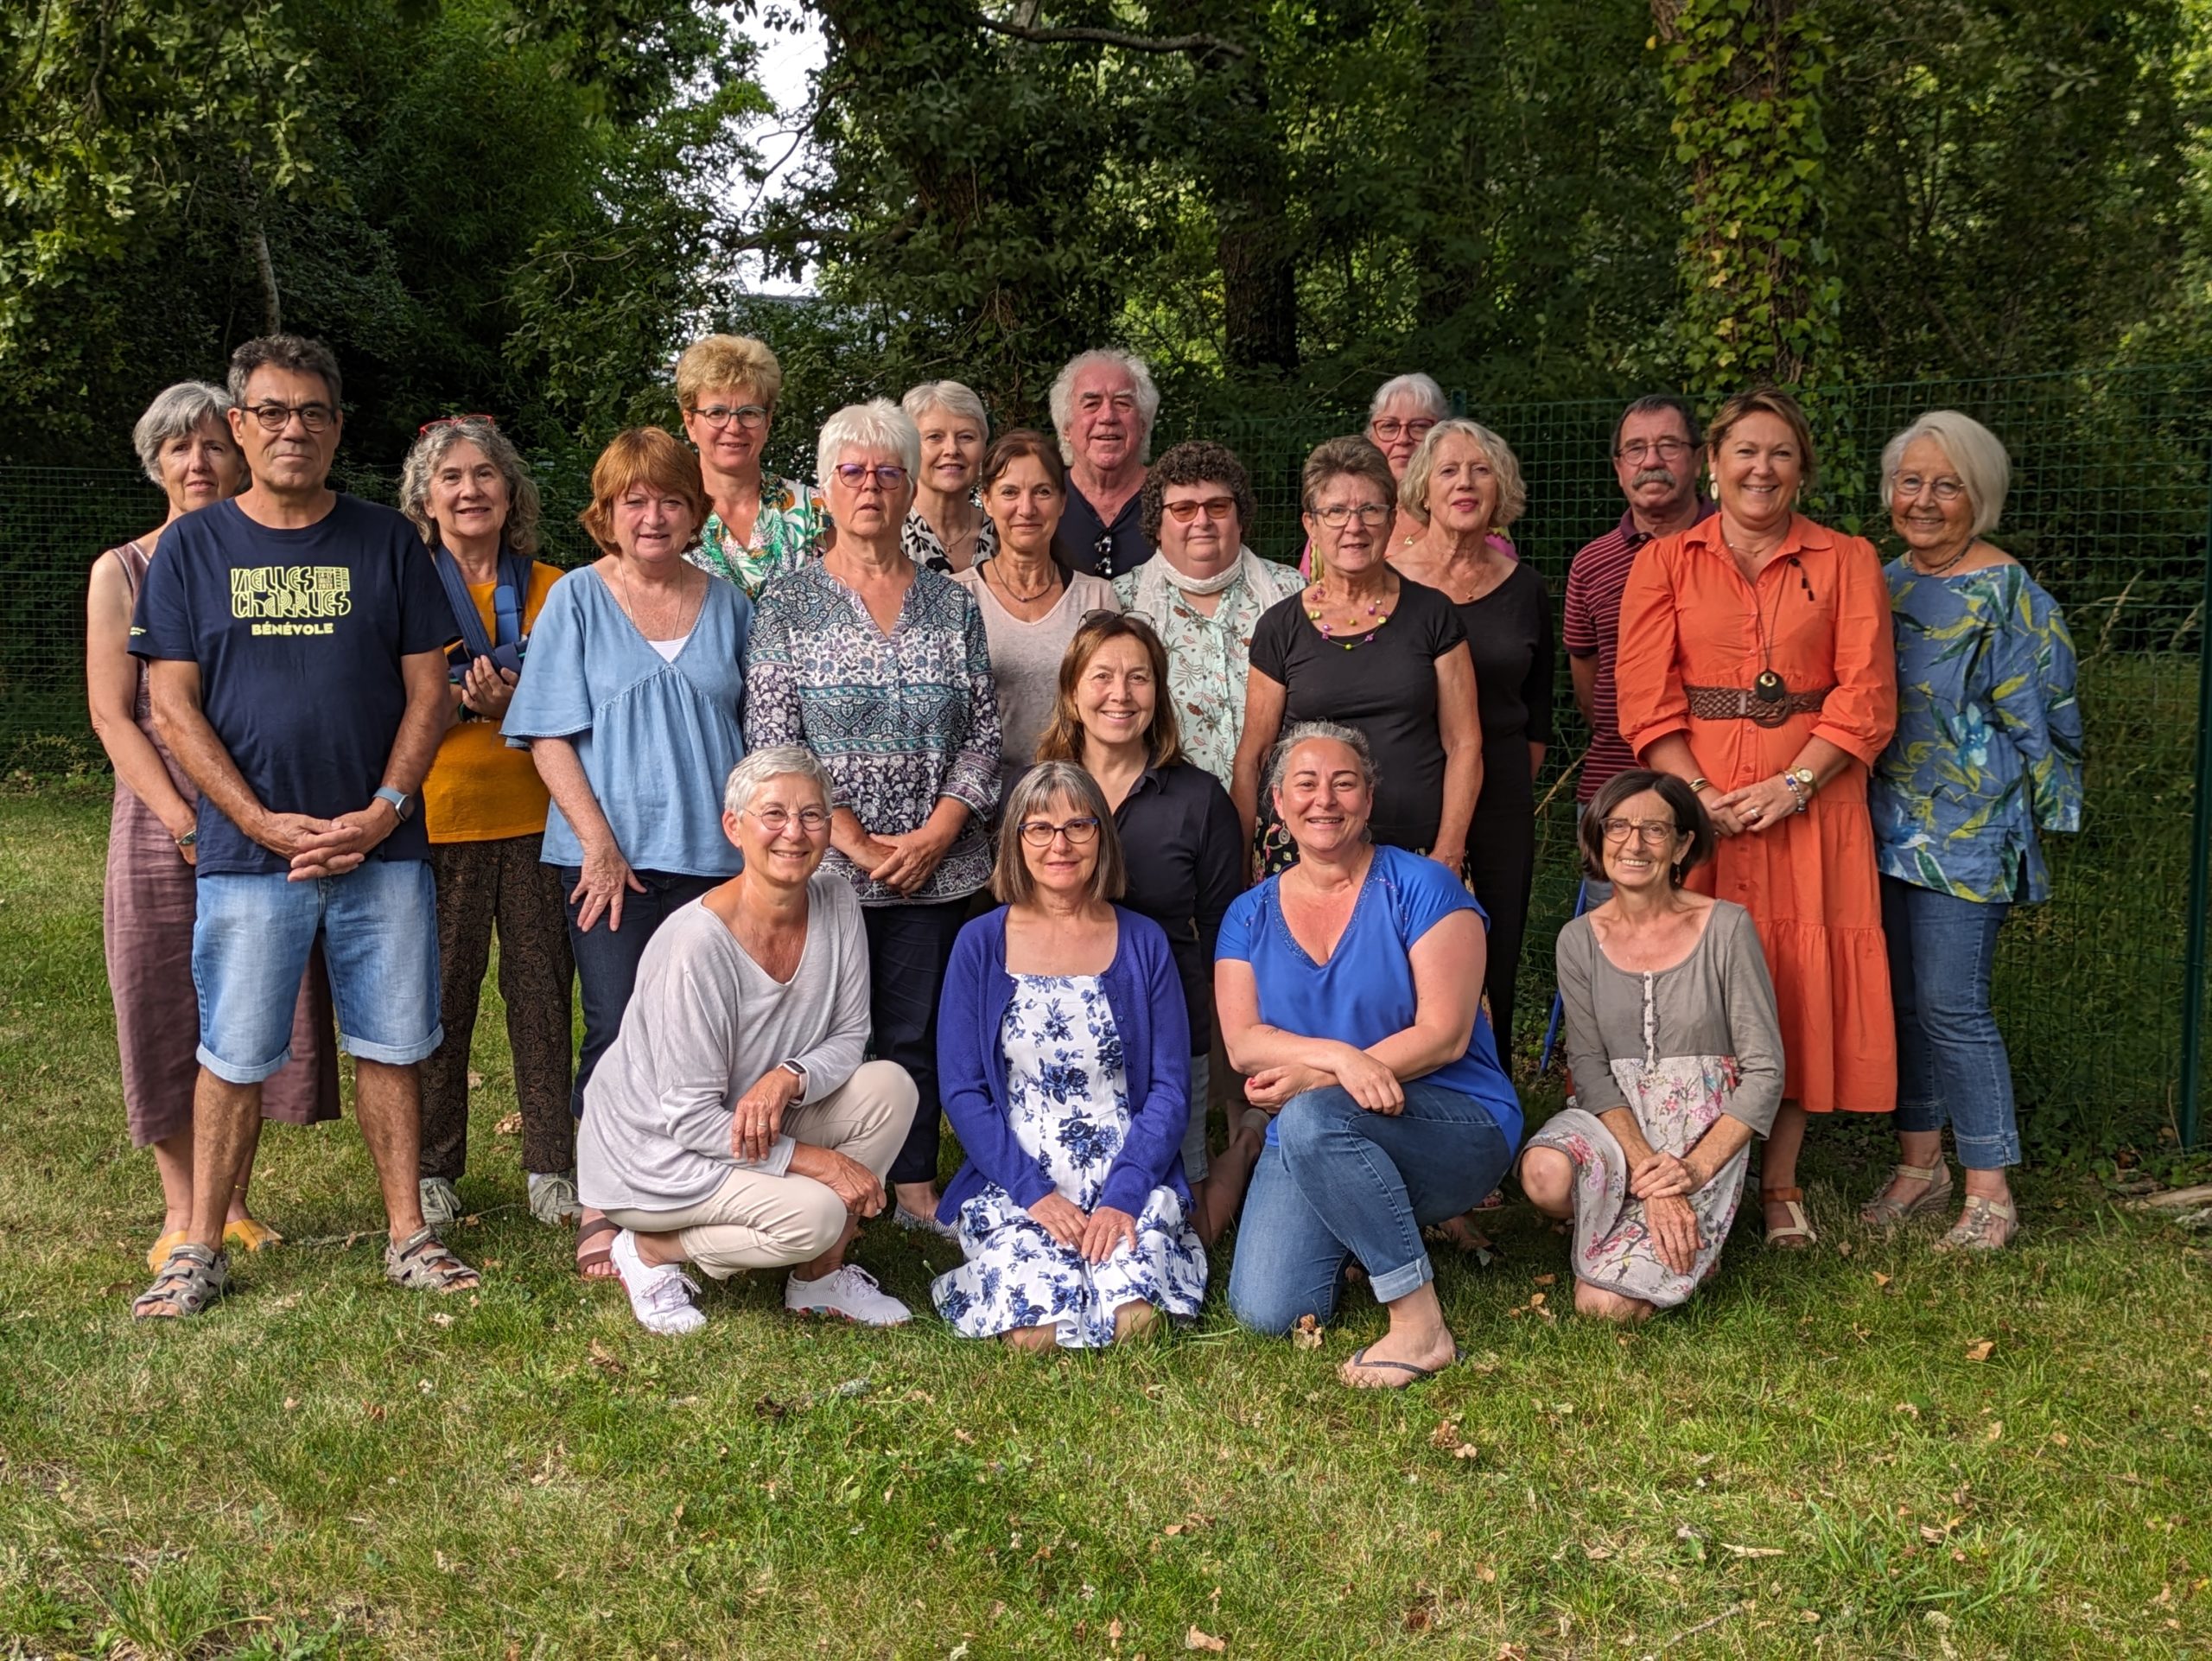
(656, 739)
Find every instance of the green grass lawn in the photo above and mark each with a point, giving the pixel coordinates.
(1867, 1451)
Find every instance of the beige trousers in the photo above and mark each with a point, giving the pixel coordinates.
(758, 1221)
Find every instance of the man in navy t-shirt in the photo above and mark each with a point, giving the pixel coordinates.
(295, 640)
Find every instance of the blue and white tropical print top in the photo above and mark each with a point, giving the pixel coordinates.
(1988, 743)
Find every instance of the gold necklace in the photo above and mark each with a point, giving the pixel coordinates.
(637, 618)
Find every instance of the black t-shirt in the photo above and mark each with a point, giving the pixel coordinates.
(1185, 856)
(1386, 687)
(1510, 633)
(298, 635)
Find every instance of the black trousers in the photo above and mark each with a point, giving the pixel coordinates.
(908, 947)
(607, 959)
(1500, 864)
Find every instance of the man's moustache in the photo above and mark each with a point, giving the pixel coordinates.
(1655, 476)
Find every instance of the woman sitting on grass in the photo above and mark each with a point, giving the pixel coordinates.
(1064, 1054)
(1676, 1052)
(732, 1122)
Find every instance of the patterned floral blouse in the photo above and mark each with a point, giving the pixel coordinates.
(923, 546)
(1209, 658)
(898, 720)
(1988, 744)
(788, 532)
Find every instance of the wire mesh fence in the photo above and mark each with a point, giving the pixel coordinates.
(2111, 492)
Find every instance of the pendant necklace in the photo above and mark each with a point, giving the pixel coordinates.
(1947, 566)
(1767, 687)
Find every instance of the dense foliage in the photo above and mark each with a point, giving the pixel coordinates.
(523, 208)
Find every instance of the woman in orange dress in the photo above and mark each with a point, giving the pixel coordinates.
(1756, 664)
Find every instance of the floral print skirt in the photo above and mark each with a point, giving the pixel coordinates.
(1069, 1108)
(1675, 1101)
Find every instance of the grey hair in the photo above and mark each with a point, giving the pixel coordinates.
(1512, 493)
(293, 352)
(1011, 881)
(878, 425)
(524, 506)
(175, 411)
(950, 396)
(1972, 449)
(1306, 732)
(1061, 399)
(777, 761)
(1415, 385)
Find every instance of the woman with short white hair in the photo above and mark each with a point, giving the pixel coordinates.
(149, 901)
(947, 529)
(734, 1124)
(882, 668)
(1987, 753)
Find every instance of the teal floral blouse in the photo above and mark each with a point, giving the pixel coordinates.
(1988, 744)
(787, 533)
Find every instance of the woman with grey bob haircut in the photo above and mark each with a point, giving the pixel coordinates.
(777, 761)
(1977, 463)
(1037, 789)
(524, 508)
(947, 529)
(176, 412)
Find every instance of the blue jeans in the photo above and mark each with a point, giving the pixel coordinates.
(1951, 1061)
(1341, 1183)
(606, 959)
(251, 938)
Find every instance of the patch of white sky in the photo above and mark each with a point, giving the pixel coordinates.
(789, 53)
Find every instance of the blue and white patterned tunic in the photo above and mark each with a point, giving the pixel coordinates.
(898, 720)
(1070, 1109)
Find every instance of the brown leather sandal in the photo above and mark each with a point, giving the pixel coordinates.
(1797, 1233)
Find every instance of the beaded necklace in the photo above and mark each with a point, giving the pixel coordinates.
(1316, 597)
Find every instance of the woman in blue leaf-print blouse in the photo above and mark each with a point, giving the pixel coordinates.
(1987, 754)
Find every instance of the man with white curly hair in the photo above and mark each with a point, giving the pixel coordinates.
(1104, 405)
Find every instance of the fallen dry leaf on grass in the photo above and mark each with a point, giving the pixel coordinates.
(1195, 1639)
(1752, 1551)
(605, 1360)
(511, 1125)
(1547, 1280)
(1880, 1280)
(1980, 1351)
(1307, 1335)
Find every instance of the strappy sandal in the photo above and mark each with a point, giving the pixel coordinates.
(1885, 1210)
(599, 1257)
(251, 1234)
(1984, 1225)
(158, 1253)
(192, 1278)
(1797, 1234)
(425, 1263)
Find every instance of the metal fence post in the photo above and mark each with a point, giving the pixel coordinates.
(2200, 843)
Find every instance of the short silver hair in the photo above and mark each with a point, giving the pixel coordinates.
(1416, 385)
(175, 411)
(1512, 493)
(777, 761)
(1048, 781)
(878, 425)
(950, 396)
(1061, 399)
(1972, 451)
(524, 506)
(1307, 732)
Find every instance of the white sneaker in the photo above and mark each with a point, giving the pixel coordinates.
(441, 1202)
(660, 1297)
(849, 1292)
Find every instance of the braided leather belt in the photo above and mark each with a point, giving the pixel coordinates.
(1741, 704)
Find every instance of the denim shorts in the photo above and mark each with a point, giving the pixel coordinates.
(250, 941)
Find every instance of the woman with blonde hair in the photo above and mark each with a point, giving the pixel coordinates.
(726, 387)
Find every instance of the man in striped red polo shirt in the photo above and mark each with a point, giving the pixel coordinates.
(1656, 459)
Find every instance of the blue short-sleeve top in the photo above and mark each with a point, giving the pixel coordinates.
(1365, 991)
(657, 739)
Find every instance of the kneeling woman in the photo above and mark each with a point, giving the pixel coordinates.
(1676, 1052)
(1064, 1053)
(1350, 994)
(732, 1122)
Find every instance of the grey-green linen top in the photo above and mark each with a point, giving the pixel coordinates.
(704, 1023)
(1717, 1002)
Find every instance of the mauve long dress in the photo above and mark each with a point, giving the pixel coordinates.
(147, 907)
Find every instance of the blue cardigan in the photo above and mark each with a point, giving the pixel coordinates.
(1146, 998)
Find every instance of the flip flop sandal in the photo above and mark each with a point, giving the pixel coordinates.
(192, 1278)
(1413, 1375)
(158, 1253)
(424, 1261)
(1797, 1234)
(599, 1228)
(251, 1234)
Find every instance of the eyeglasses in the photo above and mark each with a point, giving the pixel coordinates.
(1662, 449)
(777, 820)
(719, 416)
(1080, 833)
(1101, 555)
(274, 417)
(1945, 490)
(1373, 515)
(443, 421)
(1652, 833)
(1389, 430)
(1216, 508)
(854, 474)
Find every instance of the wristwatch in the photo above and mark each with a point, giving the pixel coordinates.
(796, 1072)
(402, 803)
(1807, 780)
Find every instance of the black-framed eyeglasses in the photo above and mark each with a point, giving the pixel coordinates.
(719, 416)
(1373, 515)
(274, 417)
(1080, 833)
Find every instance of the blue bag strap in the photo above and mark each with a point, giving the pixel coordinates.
(508, 598)
(462, 604)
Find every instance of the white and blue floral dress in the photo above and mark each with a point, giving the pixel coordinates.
(1069, 1106)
